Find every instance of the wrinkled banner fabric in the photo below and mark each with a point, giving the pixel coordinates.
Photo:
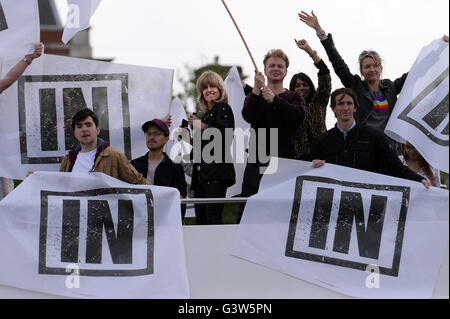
(358, 233)
(88, 235)
(36, 112)
(421, 115)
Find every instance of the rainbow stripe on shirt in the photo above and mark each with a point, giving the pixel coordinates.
(380, 102)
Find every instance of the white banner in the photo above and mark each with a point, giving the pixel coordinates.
(92, 236)
(236, 98)
(78, 17)
(421, 115)
(36, 112)
(356, 232)
(19, 28)
(176, 148)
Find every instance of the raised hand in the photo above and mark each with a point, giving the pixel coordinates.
(37, 52)
(310, 20)
(302, 44)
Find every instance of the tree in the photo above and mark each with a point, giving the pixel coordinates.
(189, 96)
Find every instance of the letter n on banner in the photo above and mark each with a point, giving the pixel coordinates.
(99, 231)
(348, 224)
(47, 104)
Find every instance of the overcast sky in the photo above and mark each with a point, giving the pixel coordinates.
(173, 33)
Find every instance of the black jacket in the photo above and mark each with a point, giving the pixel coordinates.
(167, 173)
(220, 117)
(389, 88)
(364, 148)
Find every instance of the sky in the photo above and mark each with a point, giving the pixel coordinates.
(175, 33)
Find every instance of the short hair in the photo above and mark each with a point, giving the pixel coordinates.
(210, 78)
(82, 115)
(344, 91)
(302, 76)
(370, 54)
(276, 53)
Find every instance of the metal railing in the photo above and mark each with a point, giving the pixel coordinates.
(214, 200)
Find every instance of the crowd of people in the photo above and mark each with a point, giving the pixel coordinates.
(362, 109)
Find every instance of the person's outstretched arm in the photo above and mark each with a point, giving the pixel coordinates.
(17, 70)
(340, 67)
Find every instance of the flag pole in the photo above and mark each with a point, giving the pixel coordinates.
(242, 37)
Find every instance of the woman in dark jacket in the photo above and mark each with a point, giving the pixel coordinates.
(377, 97)
(316, 101)
(213, 170)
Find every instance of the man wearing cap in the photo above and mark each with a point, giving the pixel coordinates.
(156, 166)
(93, 154)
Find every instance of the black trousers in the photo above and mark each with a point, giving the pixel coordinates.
(250, 184)
(210, 214)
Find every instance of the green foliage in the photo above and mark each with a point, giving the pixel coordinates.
(17, 182)
(189, 96)
(445, 179)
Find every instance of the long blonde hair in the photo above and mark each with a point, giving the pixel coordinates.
(210, 78)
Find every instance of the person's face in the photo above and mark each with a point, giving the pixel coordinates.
(302, 87)
(344, 108)
(211, 94)
(370, 69)
(275, 69)
(155, 138)
(86, 132)
(411, 151)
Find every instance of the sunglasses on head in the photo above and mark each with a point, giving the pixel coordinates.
(368, 53)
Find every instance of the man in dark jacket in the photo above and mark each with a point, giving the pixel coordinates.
(270, 107)
(156, 166)
(352, 145)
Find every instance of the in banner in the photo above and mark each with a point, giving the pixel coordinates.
(355, 232)
(88, 235)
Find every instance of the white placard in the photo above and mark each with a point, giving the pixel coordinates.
(421, 115)
(35, 112)
(359, 233)
(19, 28)
(236, 98)
(88, 235)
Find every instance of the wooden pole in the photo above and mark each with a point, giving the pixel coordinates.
(242, 37)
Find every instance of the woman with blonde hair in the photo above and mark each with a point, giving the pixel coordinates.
(415, 162)
(376, 96)
(212, 175)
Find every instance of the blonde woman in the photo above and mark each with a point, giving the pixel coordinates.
(212, 176)
(376, 96)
